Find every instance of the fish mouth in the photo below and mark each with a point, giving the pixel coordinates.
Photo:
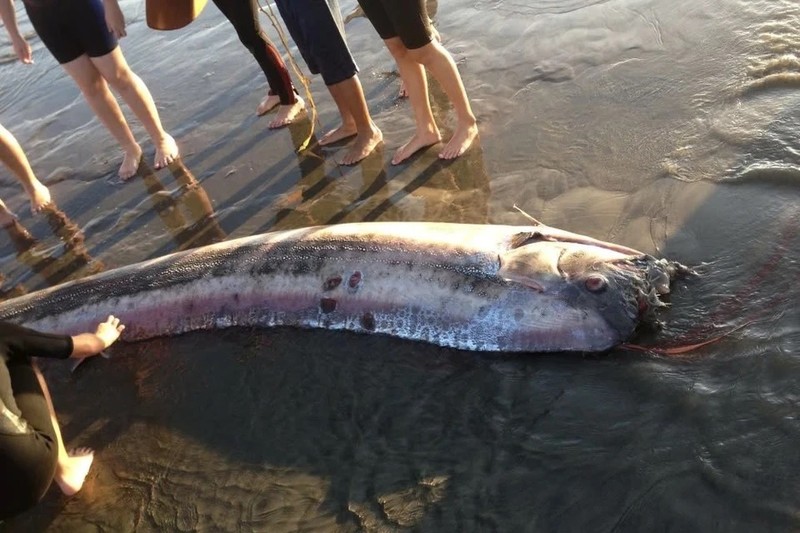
(649, 280)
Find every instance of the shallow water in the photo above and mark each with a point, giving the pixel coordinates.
(666, 126)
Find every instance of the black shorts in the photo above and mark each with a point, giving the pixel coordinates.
(71, 28)
(319, 39)
(407, 19)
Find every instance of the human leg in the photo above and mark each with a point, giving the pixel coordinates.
(325, 50)
(410, 22)
(28, 447)
(14, 158)
(349, 95)
(441, 65)
(413, 73)
(97, 94)
(243, 16)
(71, 467)
(403, 91)
(115, 71)
(400, 23)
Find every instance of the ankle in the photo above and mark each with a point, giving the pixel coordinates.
(468, 121)
(133, 150)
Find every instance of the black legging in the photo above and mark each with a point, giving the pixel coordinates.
(28, 461)
(28, 443)
(243, 15)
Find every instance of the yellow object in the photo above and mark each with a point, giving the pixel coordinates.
(172, 14)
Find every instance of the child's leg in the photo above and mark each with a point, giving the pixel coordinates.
(441, 65)
(243, 16)
(131, 88)
(403, 92)
(413, 73)
(97, 94)
(14, 158)
(349, 97)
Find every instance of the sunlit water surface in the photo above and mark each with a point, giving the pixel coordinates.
(670, 126)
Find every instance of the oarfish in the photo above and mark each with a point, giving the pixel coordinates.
(474, 287)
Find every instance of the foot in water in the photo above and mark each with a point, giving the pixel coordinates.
(71, 472)
(166, 152)
(363, 145)
(269, 103)
(415, 144)
(130, 163)
(341, 133)
(287, 114)
(40, 196)
(460, 141)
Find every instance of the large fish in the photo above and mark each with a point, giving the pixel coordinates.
(475, 287)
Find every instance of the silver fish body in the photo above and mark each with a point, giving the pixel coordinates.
(474, 287)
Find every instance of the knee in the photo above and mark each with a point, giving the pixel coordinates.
(424, 55)
(397, 48)
(120, 79)
(251, 41)
(93, 88)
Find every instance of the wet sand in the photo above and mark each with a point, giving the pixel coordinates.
(665, 126)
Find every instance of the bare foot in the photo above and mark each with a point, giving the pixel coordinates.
(269, 103)
(287, 114)
(40, 196)
(363, 146)
(166, 152)
(415, 144)
(71, 472)
(130, 163)
(460, 141)
(339, 134)
(403, 92)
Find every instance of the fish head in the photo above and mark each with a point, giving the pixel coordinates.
(607, 289)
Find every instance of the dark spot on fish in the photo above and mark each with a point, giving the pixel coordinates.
(236, 297)
(355, 280)
(368, 321)
(519, 314)
(332, 283)
(327, 305)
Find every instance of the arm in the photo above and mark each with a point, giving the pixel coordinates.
(115, 20)
(9, 16)
(21, 342)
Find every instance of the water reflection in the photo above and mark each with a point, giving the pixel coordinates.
(69, 259)
(422, 188)
(187, 212)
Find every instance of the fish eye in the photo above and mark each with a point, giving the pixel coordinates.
(596, 283)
